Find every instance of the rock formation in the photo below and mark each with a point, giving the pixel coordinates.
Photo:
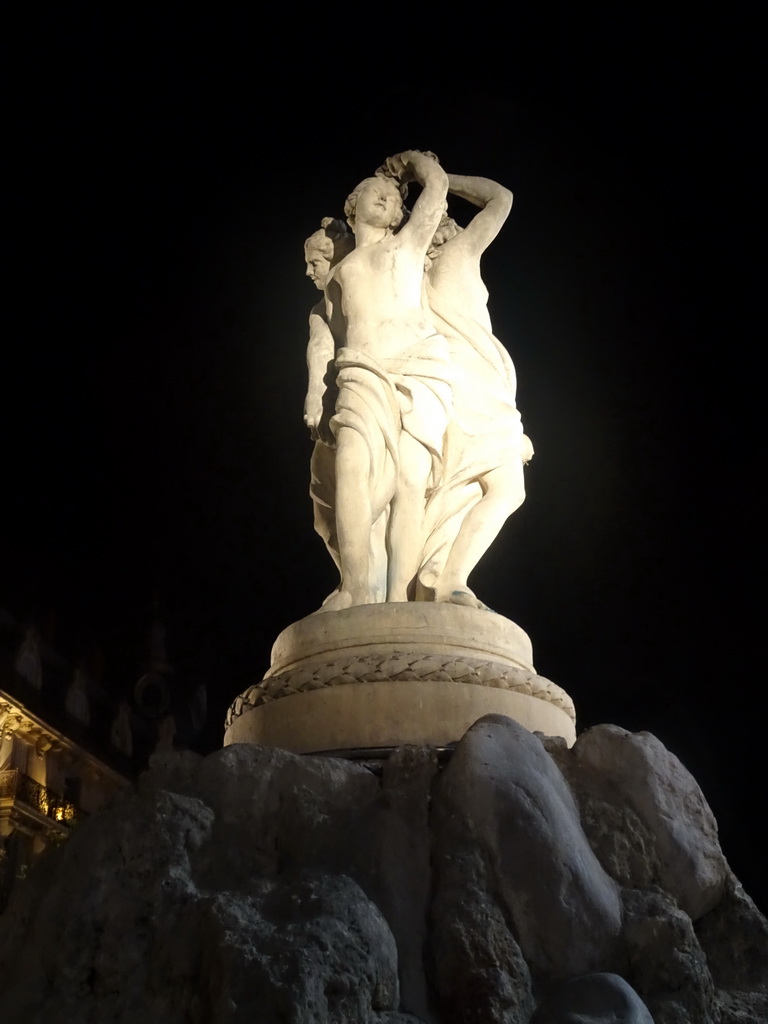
(516, 881)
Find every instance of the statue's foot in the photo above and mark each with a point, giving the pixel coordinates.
(466, 597)
(341, 599)
(460, 595)
(331, 596)
(336, 601)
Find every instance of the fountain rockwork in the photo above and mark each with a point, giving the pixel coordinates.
(517, 881)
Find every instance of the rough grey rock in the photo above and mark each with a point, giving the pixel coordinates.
(397, 1018)
(503, 793)
(325, 818)
(90, 938)
(238, 784)
(642, 774)
(479, 972)
(734, 938)
(665, 963)
(311, 950)
(121, 932)
(621, 840)
(337, 816)
(593, 999)
(260, 885)
(403, 865)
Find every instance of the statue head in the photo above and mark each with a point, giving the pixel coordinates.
(446, 230)
(377, 201)
(325, 248)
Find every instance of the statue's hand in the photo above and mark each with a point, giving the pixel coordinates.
(395, 166)
(313, 412)
(527, 449)
(415, 163)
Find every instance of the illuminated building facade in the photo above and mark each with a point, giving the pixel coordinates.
(52, 772)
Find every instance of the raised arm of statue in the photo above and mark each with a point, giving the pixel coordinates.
(495, 202)
(456, 289)
(423, 168)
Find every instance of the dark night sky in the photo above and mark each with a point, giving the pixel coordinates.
(165, 177)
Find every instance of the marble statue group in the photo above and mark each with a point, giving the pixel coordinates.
(419, 448)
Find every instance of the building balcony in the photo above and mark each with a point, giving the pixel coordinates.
(20, 795)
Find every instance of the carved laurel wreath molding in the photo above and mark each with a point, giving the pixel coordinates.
(400, 667)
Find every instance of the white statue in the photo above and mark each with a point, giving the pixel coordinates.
(486, 448)
(322, 251)
(419, 448)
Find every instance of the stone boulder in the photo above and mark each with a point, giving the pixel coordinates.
(502, 795)
(665, 962)
(734, 939)
(593, 999)
(480, 974)
(670, 830)
(117, 926)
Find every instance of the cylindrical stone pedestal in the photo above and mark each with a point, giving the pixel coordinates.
(384, 675)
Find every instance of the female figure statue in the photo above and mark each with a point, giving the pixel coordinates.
(322, 251)
(419, 447)
(393, 379)
(486, 447)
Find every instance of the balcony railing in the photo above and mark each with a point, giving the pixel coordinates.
(20, 788)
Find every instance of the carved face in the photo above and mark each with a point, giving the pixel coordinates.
(378, 203)
(318, 267)
(447, 230)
